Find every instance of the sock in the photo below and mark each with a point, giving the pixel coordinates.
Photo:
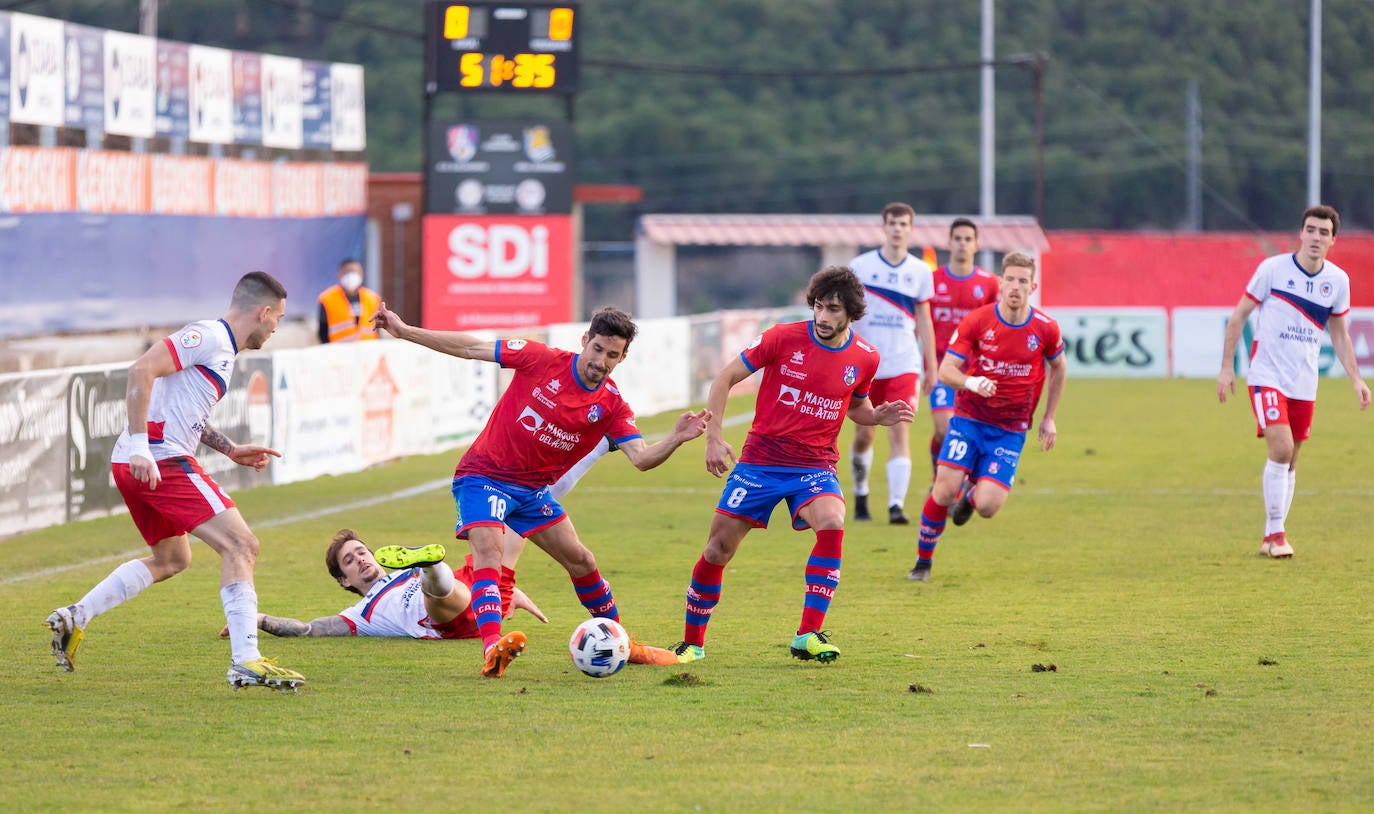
(898, 479)
(240, 601)
(932, 526)
(506, 585)
(1292, 485)
(436, 580)
(862, 463)
(702, 595)
(822, 578)
(570, 478)
(486, 606)
(969, 492)
(935, 445)
(1274, 487)
(124, 583)
(595, 595)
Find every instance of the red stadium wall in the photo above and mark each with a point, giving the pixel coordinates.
(1117, 269)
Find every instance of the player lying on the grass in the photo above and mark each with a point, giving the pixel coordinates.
(557, 408)
(424, 598)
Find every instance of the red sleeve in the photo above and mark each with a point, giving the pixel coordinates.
(961, 343)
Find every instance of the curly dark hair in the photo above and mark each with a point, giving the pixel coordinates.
(840, 282)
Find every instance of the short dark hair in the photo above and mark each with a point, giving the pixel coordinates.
(840, 282)
(331, 555)
(348, 260)
(257, 288)
(898, 208)
(610, 321)
(963, 222)
(1322, 212)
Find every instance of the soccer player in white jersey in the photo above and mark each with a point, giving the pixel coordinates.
(898, 288)
(1298, 296)
(171, 390)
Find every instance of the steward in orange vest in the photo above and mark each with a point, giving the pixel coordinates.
(346, 309)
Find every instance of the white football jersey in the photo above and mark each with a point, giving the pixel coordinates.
(394, 607)
(889, 324)
(180, 404)
(1294, 307)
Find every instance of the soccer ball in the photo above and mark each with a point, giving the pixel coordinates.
(599, 647)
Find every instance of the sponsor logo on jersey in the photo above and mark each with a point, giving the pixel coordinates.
(798, 358)
(756, 342)
(554, 386)
(789, 395)
(530, 420)
(515, 344)
(191, 339)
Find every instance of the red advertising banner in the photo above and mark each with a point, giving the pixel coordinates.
(496, 271)
(64, 179)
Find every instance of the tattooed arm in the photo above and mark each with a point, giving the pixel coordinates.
(285, 626)
(241, 454)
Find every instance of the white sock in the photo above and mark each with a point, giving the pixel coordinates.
(1274, 487)
(241, 611)
(1292, 485)
(436, 580)
(570, 478)
(862, 462)
(124, 583)
(898, 479)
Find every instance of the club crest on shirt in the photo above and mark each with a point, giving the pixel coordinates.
(978, 291)
(1325, 289)
(1032, 342)
(851, 375)
(594, 414)
(190, 339)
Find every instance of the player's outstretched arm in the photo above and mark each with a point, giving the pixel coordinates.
(862, 411)
(241, 454)
(286, 627)
(453, 343)
(520, 601)
(644, 456)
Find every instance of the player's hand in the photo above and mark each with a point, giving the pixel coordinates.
(981, 385)
(1362, 392)
(1048, 434)
(387, 320)
(720, 456)
(253, 455)
(928, 384)
(1226, 385)
(894, 412)
(145, 469)
(691, 425)
(520, 601)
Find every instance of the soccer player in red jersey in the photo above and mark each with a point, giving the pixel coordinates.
(960, 287)
(814, 374)
(1010, 351)
(556, 409)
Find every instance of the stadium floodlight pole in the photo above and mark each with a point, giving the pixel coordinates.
(1314, 108)
(987, 188)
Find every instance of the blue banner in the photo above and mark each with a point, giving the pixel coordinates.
(173, 89)
(315, 114)
(129, 271)
(4, 66)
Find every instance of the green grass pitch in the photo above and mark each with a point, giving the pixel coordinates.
(1109, 642)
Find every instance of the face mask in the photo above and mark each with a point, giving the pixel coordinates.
(351, 281)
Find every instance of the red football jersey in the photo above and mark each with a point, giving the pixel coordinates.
(547, 420)
(804, 395)
(1014, 356)
(955, 298)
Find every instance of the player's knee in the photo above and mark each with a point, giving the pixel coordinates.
(243, 546)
